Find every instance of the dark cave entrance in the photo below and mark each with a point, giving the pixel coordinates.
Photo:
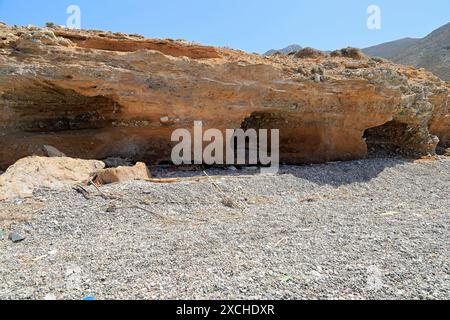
(255, 122)
(45, 107)
(390, 139)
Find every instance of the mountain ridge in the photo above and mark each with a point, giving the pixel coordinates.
(289, 49)
(431, 52)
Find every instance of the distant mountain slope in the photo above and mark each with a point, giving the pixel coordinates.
(431, 52)
(287, 50)
(391, 49)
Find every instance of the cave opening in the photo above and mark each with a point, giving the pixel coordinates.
(46, 107)
(257, 121)
(390, 139)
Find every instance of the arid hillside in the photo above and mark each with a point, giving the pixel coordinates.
(431, 52)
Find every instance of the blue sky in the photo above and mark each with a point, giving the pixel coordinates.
(251, 25)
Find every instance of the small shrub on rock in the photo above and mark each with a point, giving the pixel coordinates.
(352, 53)
(309, 53)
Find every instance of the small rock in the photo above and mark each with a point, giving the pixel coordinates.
(389, 213)
(50, 297)
(230, 203)
(447, 152)
(111, 209)
(52, 152)
(316, 275)
(167, 121)
(114, 162)
(317, 78)
(286, 279)
(15, 237)
(164, 120)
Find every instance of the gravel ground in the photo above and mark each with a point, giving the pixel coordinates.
(372, 229)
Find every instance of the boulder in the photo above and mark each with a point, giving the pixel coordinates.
(31, 173)
(122, 174)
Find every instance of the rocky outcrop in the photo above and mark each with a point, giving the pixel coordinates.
(31, 173)
(95, 95)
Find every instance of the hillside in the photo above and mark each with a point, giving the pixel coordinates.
(431, 52)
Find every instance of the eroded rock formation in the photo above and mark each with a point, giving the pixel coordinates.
(96, 94)
(31, 173)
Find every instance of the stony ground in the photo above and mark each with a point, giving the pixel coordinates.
(372, 229)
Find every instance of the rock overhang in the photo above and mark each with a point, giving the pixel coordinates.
(96, 94)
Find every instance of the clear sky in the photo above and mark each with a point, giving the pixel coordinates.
(251, 25)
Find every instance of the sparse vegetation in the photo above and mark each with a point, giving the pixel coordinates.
(308, 53)
(378, 59)
(349, 52)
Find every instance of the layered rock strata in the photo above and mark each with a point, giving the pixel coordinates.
(94, 95)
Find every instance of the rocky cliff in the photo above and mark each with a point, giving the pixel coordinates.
(95, 94)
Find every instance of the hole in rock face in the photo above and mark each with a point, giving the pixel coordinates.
(50, 108)
(257, 121)
(389, 139)
(301, 140)
(263, 120)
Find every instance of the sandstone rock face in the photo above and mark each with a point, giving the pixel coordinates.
(122, 174)
(95, 95)
(28, 174)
